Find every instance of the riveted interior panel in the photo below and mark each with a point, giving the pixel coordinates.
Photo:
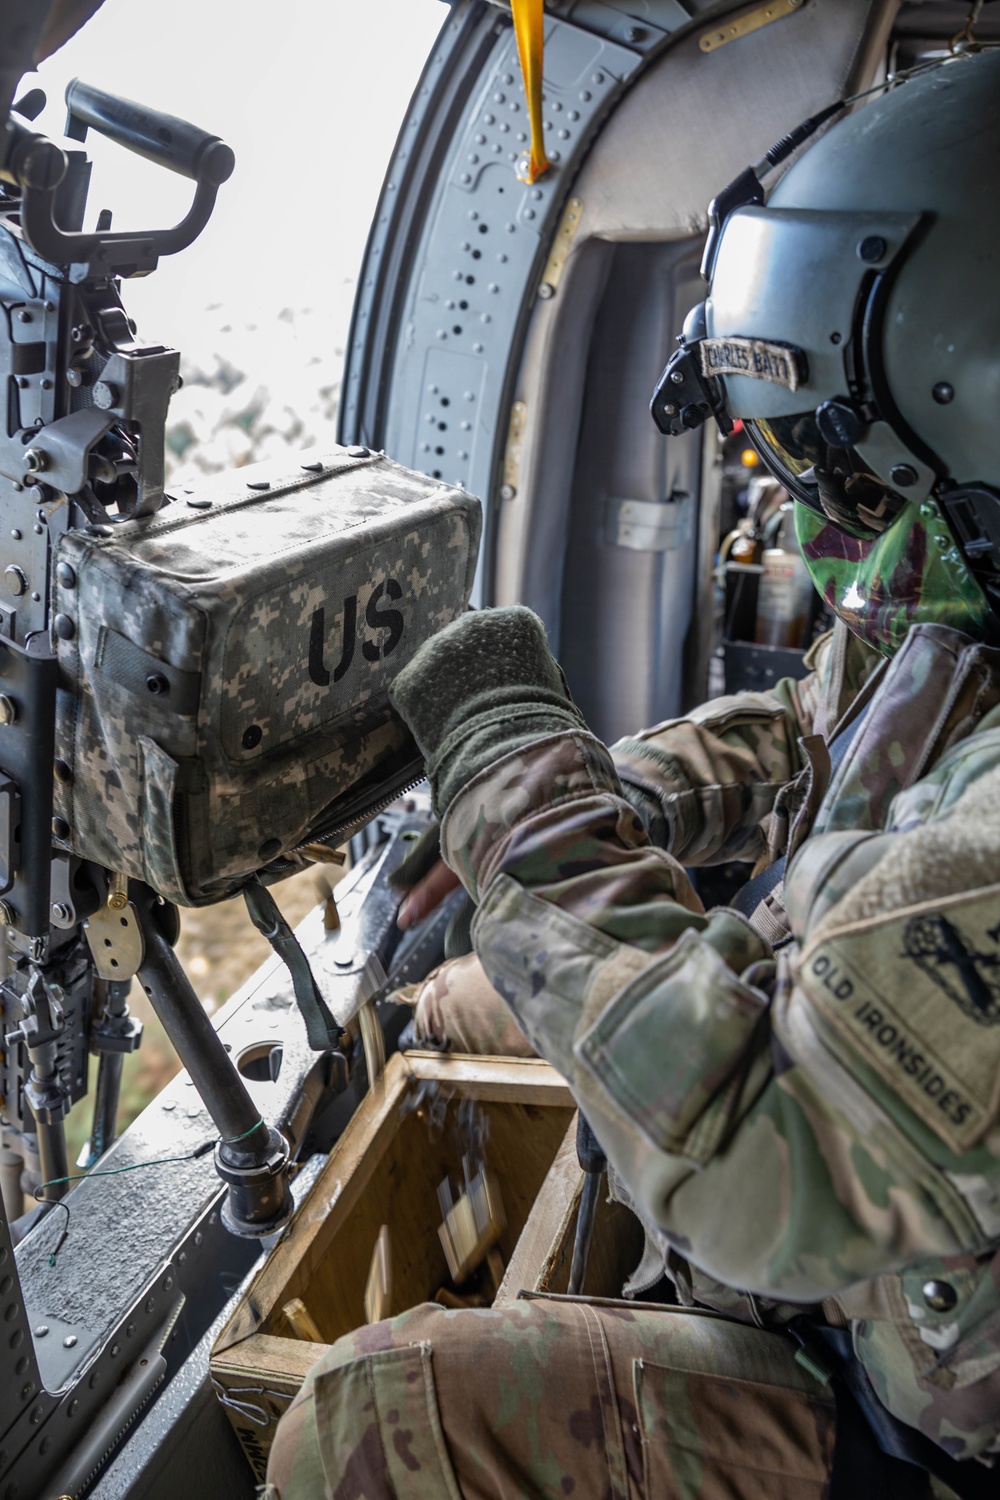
(643, 126)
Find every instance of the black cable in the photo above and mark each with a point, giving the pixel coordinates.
(790, 142)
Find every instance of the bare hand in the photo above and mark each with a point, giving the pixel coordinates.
(426, 895)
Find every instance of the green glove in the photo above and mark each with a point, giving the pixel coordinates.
(485, 686)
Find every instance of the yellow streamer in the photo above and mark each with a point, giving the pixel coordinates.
(529, 29)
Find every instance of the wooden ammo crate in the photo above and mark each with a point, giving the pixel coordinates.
(544, 1251)
(385, 1170)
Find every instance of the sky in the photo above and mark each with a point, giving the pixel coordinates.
(310, 95)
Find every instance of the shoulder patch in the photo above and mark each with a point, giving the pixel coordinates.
(917, 995)
(969, 976)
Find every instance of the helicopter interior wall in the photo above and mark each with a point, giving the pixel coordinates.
(627, 587)
(683, 129)
(554, 408)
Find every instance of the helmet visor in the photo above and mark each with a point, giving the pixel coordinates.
(834, 482)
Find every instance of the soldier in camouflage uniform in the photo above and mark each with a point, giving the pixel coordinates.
(802, 1102)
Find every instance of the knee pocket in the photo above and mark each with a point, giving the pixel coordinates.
(751, 1437)
(378, 1427)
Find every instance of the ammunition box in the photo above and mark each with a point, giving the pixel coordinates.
(384, 1171)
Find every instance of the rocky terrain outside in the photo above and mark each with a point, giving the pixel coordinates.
(253, 389)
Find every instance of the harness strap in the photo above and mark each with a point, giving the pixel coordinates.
(914, 1453)
(752, 896)
(321, 1027)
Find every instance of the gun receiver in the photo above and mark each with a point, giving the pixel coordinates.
(83, 447)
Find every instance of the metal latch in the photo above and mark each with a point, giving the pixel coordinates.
(115, 939)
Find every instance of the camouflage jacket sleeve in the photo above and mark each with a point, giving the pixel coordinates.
(714, 775)
(784, 1145)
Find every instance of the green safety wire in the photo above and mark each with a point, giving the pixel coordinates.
(136, 1166)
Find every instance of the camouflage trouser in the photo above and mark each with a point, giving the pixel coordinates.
(551, 1398)
(457, 1001)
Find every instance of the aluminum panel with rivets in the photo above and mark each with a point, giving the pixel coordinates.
(468, 361)
(434, 383)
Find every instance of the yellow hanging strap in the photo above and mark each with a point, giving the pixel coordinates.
(529, 28)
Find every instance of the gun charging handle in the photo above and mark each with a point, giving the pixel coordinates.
(161, 138)
(251, 1157)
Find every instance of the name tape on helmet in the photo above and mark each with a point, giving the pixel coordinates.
(782, 364)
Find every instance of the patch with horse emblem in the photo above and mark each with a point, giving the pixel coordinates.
(916, 994)
(970, 978)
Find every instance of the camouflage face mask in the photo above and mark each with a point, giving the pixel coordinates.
(912, 574)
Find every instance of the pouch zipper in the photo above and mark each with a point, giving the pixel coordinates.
(336, 835)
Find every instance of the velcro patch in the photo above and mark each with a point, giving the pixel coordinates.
(759, 359)
(918, 995)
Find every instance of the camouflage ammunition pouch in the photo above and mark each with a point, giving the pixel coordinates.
(224, 664)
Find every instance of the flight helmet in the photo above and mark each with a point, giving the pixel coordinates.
(853, 324)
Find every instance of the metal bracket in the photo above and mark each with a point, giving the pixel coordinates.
(650, 525)
(115, 940)
(568, 225)
(60, 1347)
(66, 445)
(720, 36)
(74, 894)
(136, 384)
(512, 452)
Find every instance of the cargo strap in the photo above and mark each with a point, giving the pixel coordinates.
(321, 1027)
(750, 899)
(529, 31)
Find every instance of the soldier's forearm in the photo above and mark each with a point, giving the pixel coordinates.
(650, 1009)
(713, 776)
(704, 1114)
